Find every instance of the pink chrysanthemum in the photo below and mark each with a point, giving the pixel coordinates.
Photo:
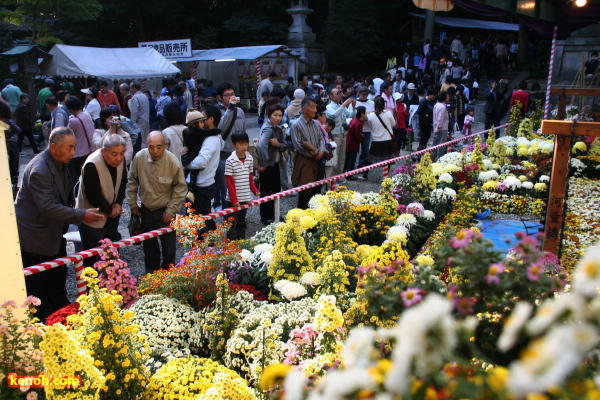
(464, 305)
(462, 238)
(411, 297)
(534, 272)
(415, 209)
(493, 273)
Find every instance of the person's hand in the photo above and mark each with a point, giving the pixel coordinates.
(116, 210)
(347, 102)
(274, 142)
(262, 169)
(236, 204)
(184, 150)
(233, 100)
(135, 210)
(92, 215)
(353, 102)
(319, 155)
(257, 193)
(167, 218)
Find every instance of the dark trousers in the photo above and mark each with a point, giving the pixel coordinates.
(401, 139)
(365, 148)
(270, 183)
(203, 197)
(220, 186)
(491, 119)
(75, 166)
(137, 146)
(350, 163)
(237, 231)
(425, 135)
(29, 135)
(49, 286)
(153, 220)
(303, 199)
(90, 237)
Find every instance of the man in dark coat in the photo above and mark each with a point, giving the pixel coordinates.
(44, 209)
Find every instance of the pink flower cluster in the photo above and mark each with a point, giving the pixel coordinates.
(301, 345)
(114, 274)
(415, 209)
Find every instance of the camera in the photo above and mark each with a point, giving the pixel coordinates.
(115, 121)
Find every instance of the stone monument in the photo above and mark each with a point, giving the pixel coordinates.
(303, 40)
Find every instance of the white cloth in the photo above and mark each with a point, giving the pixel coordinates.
(93, 108)
(174, 138)
(378, 132)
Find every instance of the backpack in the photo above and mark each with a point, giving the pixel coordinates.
(288, 131)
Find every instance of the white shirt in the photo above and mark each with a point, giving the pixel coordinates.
(93, 108)
(265, 86)
(377, 85)
(370, 107)
(378, 132)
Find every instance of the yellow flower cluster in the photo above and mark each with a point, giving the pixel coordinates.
(424, 181)
(63, 356)
(514, 204)
(334, 275)
(290, 257)
(226, 387)
(187, 378)
(477, 154)
(328, 317)
(370, 223)
(112, 339)
(386, 200)
(386, 254)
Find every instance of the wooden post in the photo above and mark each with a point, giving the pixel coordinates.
(12, 284)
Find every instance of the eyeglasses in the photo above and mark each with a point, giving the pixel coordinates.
(228, 95)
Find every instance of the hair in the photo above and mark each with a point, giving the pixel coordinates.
(290, 80)
(278, 92)
(360, 110)
(331, 123)
(386, 75)
(223, 87)
(9, 81)
(273, 108)
(73, 104)
(307, 101)
(23, 96)
(385, 85)
(210, 110)
(523, 85)
(379, 104)
(51, 101)
(239, 137)
(451, 90)
(266, 94)
(5, 110)
(210, 100)
(273, 75)
(58, 134)
(442, 96)
(94, 91)
(595, 53)
(431, 91)
(105, 113)
(209, 83)
(136, 84)
(321, 109)
(103, 83)
(301, 76)
(61, 95)
(172, 113)
(346, 86)
(148, 93)
(470, 110)
(270, 101)
(171, 82)
(177, 91)
(124, 86)
(113, 140)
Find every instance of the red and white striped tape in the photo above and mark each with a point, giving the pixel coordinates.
(550, 69)
(195, 78)
(258, 71)
(143, 85)
(77, 258)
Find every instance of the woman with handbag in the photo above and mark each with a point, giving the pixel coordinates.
(382, 139)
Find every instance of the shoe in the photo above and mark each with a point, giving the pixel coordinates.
(217, 208)
(352, 178)
(342, 181)
(361, 178)
(267, 222)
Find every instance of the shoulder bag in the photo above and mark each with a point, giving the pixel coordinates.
(394, 142)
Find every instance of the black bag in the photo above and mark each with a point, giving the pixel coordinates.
(135, 225)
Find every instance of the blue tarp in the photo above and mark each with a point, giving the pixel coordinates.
(501, 230)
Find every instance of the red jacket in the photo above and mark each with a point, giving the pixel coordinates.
(401, 114)
(355, 136)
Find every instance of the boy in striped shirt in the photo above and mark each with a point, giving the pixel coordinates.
(240, 183)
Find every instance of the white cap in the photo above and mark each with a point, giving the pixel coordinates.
(299, 94)
(86, 91)
(411, 86)
(398, 96)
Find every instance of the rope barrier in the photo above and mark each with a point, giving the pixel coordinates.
(78, 258)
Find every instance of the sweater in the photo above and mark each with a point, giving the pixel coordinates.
(355, 135)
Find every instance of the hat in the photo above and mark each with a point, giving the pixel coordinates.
(398, 96)
(411, 86)
(49, 81)
(364, 89)
(299, 94)
(194, 116)
(86, 91)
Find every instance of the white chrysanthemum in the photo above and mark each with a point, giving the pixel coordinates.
(509, 141)
(397, 234)
(586, 277)
(527, 185)
(454, 157)
(406, 220)
(445, 177)
(512, 182)
(356, 198)
(371, 198)
(513, 325)
(523, 141)
(437, 170)
(451, 168)
(245, 255)
(292, 290)
(450, 193)
(294, 385)
(546, 147)
(484, 176)
(317, 201)
(262, 248)
(552, 310)
(280, 284)
(544, 178)
(340, 384)
(487, 164)
(358, 348)
(417, 327)
(266, 257)
(429, 215)
(550, 359)
(311, 278)
(493, 174)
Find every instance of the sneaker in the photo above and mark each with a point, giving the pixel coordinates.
(361, 178)
(217, 208)
(352, 178)
(342, 181)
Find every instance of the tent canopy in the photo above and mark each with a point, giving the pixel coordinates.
(240, 53)
(117, 63)
(472, 23)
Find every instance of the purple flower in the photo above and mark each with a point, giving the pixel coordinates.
(462, 238)
(534, 271)
(464, 305)
(401, 209)
(416, 209)
(493, 273)
(502, 187)
(411, 296)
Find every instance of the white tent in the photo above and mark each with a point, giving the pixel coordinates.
(119, 63)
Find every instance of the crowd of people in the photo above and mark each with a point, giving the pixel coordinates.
(122, 146)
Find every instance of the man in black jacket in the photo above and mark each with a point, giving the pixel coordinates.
(425, 112)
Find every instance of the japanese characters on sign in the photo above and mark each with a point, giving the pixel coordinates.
(171, 49)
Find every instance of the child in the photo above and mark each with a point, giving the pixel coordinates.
(468, 125)
(354, 139)
(330, 145)
(240, 183)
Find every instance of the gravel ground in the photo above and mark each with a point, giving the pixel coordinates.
(134, 255)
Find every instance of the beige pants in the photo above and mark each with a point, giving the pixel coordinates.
(340, 140)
